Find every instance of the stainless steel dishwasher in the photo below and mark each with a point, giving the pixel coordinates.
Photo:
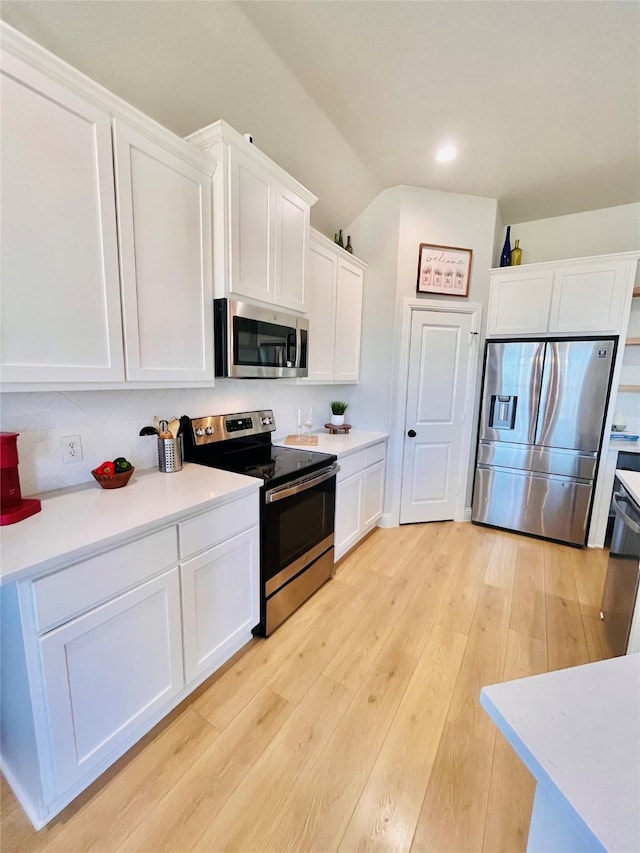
(620, 609)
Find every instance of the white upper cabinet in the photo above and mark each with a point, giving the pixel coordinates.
(591, 297)
(322, 265)
(164, 226)
(577, 297)
(60, 288)
(349, 292)
(335, 282)
(251, 229)
(261, 222)
(87, 253)
(292, 231)
(519, 302)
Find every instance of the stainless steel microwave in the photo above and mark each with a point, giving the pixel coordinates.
(258, 343)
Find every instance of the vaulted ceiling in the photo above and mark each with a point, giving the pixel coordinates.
(541, 98)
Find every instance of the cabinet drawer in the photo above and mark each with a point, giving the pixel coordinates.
(59, 596)
(350, 465)
(217, 524)
(374, 454)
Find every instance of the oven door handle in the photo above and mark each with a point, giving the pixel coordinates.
(301, 485)
(629, 522)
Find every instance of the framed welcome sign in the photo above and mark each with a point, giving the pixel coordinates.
(443, 269)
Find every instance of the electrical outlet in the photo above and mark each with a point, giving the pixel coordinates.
(71, 448)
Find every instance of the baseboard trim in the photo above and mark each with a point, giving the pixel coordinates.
(386, 520)
(21, 796)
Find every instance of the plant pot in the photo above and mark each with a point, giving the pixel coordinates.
(337, 420)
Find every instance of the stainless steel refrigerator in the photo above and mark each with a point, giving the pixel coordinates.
(540, 432)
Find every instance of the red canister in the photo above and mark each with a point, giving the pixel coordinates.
(13, 507)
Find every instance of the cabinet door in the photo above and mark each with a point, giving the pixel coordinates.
(164, 224)
(373, 489)
(519, 303)
(589, 298)
(60, 318)
(251, 210)
(220, 602)
(348, 524)
(349, 285)
(108, 673)
(321, 303)
(292, 229)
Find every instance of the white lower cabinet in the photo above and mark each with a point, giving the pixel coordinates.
(98, 651)
(108, 671)
(373, 495)
(359, 495)
(348, 514)
(219, 602)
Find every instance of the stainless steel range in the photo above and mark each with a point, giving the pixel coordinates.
(297, 504)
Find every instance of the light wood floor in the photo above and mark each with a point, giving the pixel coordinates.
(357, 725)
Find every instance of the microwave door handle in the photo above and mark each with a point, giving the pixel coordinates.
(298, 346)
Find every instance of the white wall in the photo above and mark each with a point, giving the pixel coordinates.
(108, 422)
(579, 235)
(387, 235)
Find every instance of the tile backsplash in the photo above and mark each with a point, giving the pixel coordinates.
(108, 422)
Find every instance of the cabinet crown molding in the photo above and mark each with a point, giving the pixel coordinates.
(16, 44)
(322, 240)
(589, 259)
(207, 138)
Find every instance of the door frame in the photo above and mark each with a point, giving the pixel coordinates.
(409, 305)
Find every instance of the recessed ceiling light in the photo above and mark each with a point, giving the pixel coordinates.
(446, 153)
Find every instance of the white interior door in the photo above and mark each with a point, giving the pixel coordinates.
(435, 458)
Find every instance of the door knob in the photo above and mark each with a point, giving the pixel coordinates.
(412, 433)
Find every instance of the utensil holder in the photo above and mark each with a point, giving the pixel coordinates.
(170, 454)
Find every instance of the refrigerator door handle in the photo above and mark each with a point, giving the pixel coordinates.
(547, 368)
(537, 390)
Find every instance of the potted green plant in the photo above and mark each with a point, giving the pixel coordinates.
(338, 408)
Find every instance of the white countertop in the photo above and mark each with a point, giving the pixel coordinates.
(579, 730)
(341, 444)
(623, 444)
(631, 481)
(75, 522)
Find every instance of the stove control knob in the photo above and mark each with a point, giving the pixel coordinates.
(199, 431)
(209, 430)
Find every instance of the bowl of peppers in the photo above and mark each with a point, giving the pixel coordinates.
(114, 474)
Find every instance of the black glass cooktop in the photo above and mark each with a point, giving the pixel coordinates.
(274, 465)
(277, 464)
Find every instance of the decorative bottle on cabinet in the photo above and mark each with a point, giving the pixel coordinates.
(505, 257)
(349, 247)
(516, 255)
(340, 239)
